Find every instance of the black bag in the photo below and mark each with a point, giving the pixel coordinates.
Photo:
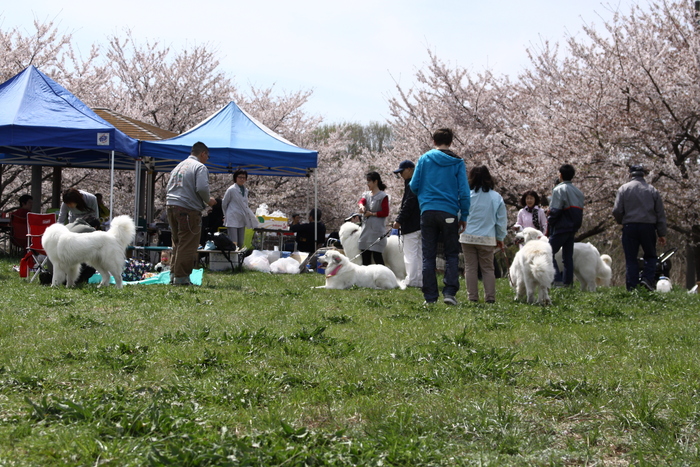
(223, 242)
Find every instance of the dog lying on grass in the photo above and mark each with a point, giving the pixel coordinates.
(105, 251)
(532, 269)
(341, 273)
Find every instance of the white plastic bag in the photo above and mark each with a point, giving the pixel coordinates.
(262, 210)
(257, 261)
(285, 266)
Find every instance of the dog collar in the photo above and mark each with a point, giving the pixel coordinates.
(334, 271)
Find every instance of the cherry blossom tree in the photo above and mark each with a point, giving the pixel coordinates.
(625, 94)
(173, 91)
(41, 47)
(485, 112)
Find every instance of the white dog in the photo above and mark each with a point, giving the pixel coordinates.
(349, 234)
(104, 251)
(341, 273)
(590, 267)
(664, 285)
(532, 267)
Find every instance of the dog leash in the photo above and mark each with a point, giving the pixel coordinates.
(510, 279)
(373, 243)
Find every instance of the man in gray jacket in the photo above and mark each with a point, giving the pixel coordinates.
(640, 210)
(187, 195)
(564, 219)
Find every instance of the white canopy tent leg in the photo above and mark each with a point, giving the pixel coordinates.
(111, 189)
(316, 206)
(150, 186)
(137, 192)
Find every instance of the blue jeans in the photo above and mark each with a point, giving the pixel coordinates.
(565, 242)
(436, 226)
(634, 236)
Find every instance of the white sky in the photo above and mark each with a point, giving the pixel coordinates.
(350, 54)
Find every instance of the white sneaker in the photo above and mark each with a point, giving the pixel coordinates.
(450, 300)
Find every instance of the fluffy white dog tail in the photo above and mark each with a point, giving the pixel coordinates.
(604, 271)
(542, 269)
(122, 228)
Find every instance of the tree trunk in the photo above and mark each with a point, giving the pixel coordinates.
(692, 271)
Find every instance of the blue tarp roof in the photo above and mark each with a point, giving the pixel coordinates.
(236, 141)
(41, 123)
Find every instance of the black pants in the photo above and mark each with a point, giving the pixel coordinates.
(368, 255)
(633, 237)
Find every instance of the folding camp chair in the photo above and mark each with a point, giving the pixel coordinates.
(18, 233)
(36, 225)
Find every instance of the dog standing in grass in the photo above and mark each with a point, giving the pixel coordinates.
(590, 267)
(532, 269)
(105, 251)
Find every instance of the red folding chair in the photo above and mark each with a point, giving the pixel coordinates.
(18, 232)
(36, 225)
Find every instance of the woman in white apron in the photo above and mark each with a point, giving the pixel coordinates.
(374, 206)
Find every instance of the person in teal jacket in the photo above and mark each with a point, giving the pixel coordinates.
(440, 183)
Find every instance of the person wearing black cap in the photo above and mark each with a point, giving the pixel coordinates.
(408, 221)
(355, 218)
(640, 210)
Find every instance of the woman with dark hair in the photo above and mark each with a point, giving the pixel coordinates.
(486, 228)
(237, 214)
(531, 215)
(78, 204)
(374, 206)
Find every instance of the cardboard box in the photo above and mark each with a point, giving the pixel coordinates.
(273, 223)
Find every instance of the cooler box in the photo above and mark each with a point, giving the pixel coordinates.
(218, 262)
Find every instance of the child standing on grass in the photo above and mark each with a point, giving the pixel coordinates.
(531, 215)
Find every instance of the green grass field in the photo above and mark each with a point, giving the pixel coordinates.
(256, 369)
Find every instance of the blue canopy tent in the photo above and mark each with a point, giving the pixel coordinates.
(236, 141)
(43, 124)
